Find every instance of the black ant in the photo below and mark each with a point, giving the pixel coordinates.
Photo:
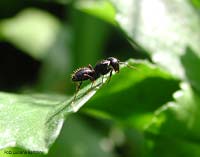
(102, 68)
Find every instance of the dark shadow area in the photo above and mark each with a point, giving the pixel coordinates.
(118, 46)
(16, 68)
(10, 8)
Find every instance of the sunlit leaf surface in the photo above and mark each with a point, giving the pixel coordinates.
(33, 122)
(165, 28)
(23, 121)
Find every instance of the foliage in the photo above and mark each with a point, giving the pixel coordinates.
(152, 110)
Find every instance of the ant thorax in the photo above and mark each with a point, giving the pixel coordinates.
(103, 67)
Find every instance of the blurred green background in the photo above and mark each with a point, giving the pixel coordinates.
(43, 41)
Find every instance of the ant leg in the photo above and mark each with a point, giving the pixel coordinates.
(78, 86)
(89, 66)
(110, 76)
(91, 79)
(92, 84)
(102, 79)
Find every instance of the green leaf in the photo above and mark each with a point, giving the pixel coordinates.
(33, 122)
(178, 122)
(23, 121)
(133, 95)
(79, 138)
(102, 9)
(196, 3)
(173, 147)
(165, 28)
(32, 30)
(191, 64)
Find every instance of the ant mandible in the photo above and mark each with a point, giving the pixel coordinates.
(102, 68)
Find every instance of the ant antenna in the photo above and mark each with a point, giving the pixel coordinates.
(130, 66)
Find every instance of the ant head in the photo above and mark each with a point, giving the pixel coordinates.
(114, 63)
